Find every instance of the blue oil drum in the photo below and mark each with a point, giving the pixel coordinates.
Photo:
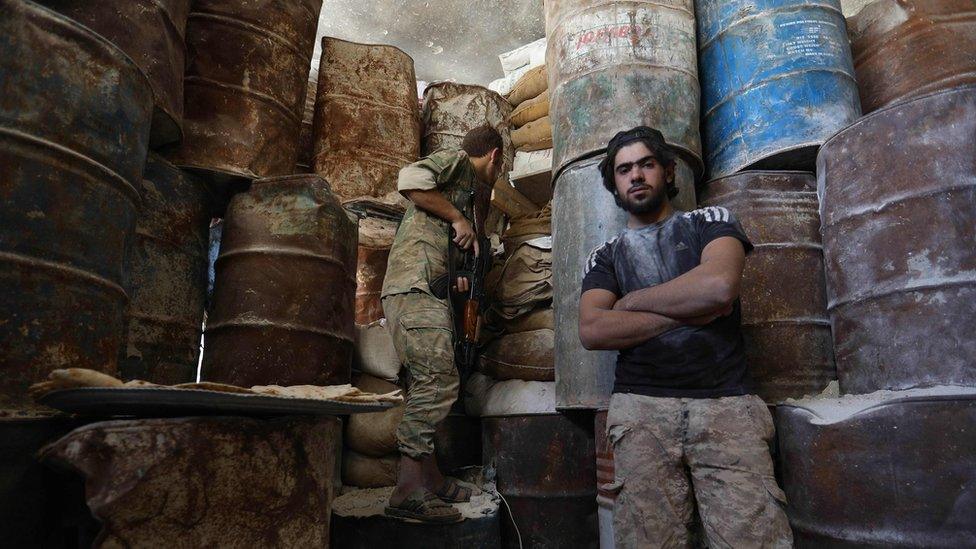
(777, 80)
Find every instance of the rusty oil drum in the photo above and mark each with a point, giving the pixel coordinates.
(886, 470)
(167, 277)
(546, 470)
(71, 158)
(284, 296)
(584, 218)
(151, 32)
(907, 48)
(451, 110)
(616, 65)
(247, 70)
(784, 300)
(777, 81)
(898, 209)
(375, 240)
(366, 126)
(305, 145)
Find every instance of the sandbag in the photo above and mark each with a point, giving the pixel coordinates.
(532, 84)
(524, 281)
(530, 110)
(375, 354)
(374, 435)
(540, 318)
(522, 229)
(368, 472)
(527, 356)
(486, 397)
(534, 136)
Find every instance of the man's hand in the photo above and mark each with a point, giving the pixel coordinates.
(464, 234)
(462, 285)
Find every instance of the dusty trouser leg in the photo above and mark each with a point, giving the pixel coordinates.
(422, 335)
(727, 449)
(654, 506)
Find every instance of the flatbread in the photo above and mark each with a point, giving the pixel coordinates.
(212, 386)
(331, 392)
(83, 377)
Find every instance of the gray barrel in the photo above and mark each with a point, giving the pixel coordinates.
(777, 81)
(452, 110)
(885, 470)
(167, 277)
(285, 289)
(898, 207)
(151, 32)
(615, 65)
(584, 218)
(71, 158)
(784, 299)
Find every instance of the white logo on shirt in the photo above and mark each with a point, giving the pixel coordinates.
(711, 213)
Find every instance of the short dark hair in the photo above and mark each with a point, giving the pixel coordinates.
(481, 140)
(652, 139)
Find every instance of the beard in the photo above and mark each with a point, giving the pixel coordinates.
(639, 207)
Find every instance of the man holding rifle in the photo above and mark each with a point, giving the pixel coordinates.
(449, 193)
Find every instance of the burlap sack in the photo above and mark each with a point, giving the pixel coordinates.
(532, 84)
(531, 110)
(526, 228)
(527, 356)
(524, 281)
(534, 136)
(368, 472)
(486, 397)
(374, 435)
(375, 354)
(540, 318)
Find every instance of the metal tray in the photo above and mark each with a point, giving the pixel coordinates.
(166, 402)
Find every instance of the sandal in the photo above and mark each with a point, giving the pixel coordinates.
(454, 491)
(425, 506)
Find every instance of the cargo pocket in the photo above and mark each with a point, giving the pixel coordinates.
(428, 340)
(774, 491)
(615, 433)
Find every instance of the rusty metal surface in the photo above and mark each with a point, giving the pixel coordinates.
(366, 125)
(451, 110)
(783, 294)
(605, 497)
(881, 471)
(220, 482)
(898, 209)
(244, 89)
(284, 294)
(71, 156)
(167, 277)
(305, 145)
(151, 33)
(457, 442)
(546, 470)
(907, 48)
(585, 217)
(375, 240)
(616, 65)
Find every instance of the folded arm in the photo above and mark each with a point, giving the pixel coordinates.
(603, 328)
(711, 287)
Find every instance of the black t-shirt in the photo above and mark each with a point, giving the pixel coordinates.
(688, 361)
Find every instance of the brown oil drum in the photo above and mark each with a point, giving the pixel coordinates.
(886, 470)
(784, 300)
(907, 48)
(71, 158)
(167, 277)
(375, 240)
(151, 32)
(366, 126)
(616, 65)
(284, 294)
(898, 209)
(457, 442)
(218, 481)
(546, 471)
(305, 145)
(452, 110)
(244, 90)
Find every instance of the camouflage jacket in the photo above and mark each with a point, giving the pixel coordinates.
(420, 249)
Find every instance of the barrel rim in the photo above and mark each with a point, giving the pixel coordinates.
(755, 173)
(368, 44)
(442, 83)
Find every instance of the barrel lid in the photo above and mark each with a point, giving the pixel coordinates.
(827, 411)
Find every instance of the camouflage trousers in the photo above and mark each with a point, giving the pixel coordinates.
(671, 452)
(423, 333)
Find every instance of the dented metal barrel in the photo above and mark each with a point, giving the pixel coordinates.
(247, 70)
(284, 297)
(777, 81)
(366, 127)
(898, 207)
(167, 277)
(71, 158)
(616, 65)
(546, 470)
(452, 110)
(584, 218)
(886, 470)
(151, 32)
(375, 240)
(907, 48)
(305, 145)
(784, 299)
